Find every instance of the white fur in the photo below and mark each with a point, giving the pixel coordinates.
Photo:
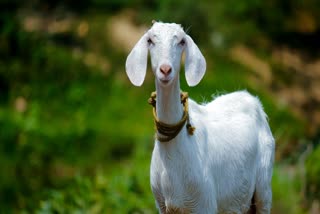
(230, 156)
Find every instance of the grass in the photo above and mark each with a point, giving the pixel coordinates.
(287, 190)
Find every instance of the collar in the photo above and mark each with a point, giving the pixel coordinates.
(170, 131)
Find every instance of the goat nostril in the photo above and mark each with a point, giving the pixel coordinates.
(165, 69)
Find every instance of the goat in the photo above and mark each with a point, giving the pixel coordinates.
(228, 160)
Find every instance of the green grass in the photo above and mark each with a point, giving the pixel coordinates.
(286, 190)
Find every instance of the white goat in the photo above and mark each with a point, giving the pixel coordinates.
(228, 160)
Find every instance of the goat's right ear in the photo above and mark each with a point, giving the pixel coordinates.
(136, 64)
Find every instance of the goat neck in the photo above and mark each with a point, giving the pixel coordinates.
(169, 108)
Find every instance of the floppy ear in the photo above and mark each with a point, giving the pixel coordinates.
(136, 64)
(195, 63)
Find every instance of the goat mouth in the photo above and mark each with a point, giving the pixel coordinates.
(164, 81)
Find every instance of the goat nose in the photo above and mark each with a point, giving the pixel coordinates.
(165, 69)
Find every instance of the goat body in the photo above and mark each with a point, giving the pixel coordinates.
(229, 158)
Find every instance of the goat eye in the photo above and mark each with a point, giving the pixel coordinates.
(182, 42)
(150, 42)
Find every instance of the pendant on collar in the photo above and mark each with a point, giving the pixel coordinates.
(170, 131)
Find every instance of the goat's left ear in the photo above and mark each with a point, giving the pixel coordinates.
(195, 63)
(136, 64)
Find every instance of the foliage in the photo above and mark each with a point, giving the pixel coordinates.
(286, 189)
(313, 174)
(118, 191)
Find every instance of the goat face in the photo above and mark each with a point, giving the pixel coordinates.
(166, 43)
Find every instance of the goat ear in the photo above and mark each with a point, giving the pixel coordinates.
(195, 63)
(136, 64)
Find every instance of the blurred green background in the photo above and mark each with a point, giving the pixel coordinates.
(77, 137)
